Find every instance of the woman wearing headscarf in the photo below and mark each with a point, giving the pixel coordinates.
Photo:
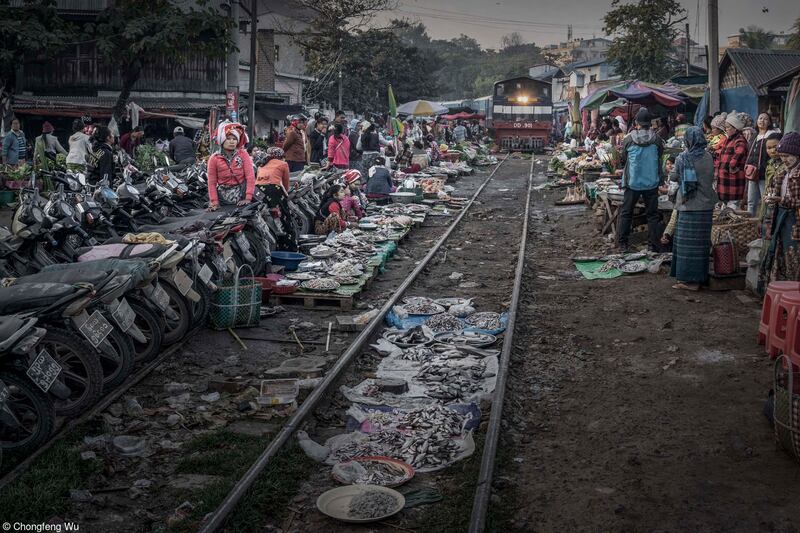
(45, 148)
(230, 171)
(731, 183)
(756, 167)
(782, 260)
(272, 179)
(330, 214)
(695, 200)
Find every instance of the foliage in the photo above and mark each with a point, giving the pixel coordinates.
(755, 37)
(60, 163)
(148, 158)
(644, 33)
(794, 40)
(131, 32)
(371, 60)
(31, 30)
(464, 70)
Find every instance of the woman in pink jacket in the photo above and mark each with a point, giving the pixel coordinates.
(339, 148)
(231, 179)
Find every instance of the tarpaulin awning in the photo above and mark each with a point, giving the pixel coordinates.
(635, 92)
(464, 116)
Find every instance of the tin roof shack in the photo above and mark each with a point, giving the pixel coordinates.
(787, 87)
(743, 73)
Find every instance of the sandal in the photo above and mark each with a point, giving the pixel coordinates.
(684, 287)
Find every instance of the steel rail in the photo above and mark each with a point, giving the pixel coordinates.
(483, 489)
(217, 519)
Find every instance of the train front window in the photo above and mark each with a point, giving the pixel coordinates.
(499, 90)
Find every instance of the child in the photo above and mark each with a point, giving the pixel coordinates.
(774, 167)
(666, 238)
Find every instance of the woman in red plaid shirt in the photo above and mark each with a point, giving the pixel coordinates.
(731, 183)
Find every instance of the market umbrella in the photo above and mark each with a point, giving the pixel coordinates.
(421, 108)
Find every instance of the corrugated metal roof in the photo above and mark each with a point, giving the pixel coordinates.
(154, 105)
(760, 66)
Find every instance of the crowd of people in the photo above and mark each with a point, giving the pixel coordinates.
(732, 162)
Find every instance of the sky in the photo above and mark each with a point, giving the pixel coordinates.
(545, 21)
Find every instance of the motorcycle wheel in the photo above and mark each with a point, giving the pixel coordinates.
(33, 410)
(152, 327)
(81, 370)
(202, 307)
(300, 220)
(176, 329)
(258, 251)
(117, 369)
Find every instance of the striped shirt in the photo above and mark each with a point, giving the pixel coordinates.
(23, 147)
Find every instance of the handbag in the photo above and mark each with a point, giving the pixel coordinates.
(724, 256)
(751, 171)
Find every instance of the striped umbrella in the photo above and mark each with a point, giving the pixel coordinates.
(421, 108)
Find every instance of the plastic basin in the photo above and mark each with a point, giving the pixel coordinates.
(288, 260)
(266, 288)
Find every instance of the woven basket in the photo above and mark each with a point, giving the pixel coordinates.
(742, 233)
(786, 411)
(236, 303)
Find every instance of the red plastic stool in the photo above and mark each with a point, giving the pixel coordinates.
(771, 299)
(785, 313)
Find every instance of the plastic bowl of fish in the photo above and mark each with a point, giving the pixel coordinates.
(320, 284)
(300, 276)
(374, 470)
(449, 302)
(444, 322)
(416, 336)
(484, 320)
(322, 252)
(361, 503)
(423, 308)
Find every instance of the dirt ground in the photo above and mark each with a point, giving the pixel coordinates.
(633, 406)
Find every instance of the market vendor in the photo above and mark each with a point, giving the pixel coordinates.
(694, 201)
(273, 180)
(782, 259)
(641, 159)
(318, 142)
(731, 183)
(339, 148)
(379, 184)
(231, 179)
(352, 204)
(330, 215)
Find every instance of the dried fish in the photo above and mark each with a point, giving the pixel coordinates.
(485, 320)
(444, 322)
(320, 284)
(423, 308)
(372, 504)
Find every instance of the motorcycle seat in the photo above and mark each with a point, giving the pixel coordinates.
(9, 325)
(31, 296)
(65, 276)
(137, 268)
(120, 251)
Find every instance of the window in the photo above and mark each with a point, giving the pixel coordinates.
(500, 89)
(519, 86)
(546, 91)
(277, 53)
(592, 78)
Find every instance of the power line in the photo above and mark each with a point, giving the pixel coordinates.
(495, 19)
(493, 25)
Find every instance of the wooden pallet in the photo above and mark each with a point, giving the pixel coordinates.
(315, 300)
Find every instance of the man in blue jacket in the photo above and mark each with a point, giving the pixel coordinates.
(641, 156)
(15, 146)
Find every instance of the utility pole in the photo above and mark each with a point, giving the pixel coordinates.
(251, 89)
(232, 88)
(688, 49)
(340, 89)
(713, 57)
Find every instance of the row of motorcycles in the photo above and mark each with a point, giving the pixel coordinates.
(98, 278)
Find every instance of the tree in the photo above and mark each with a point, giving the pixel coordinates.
(644, 31)
(371, 60)
(512, 40)
(794, 40)
(129, 33)
(755, 37)
(32, 30)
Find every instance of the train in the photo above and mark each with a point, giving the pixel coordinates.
(519, 113)
(522, 114)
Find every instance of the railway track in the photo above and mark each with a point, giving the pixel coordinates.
(217, 519)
